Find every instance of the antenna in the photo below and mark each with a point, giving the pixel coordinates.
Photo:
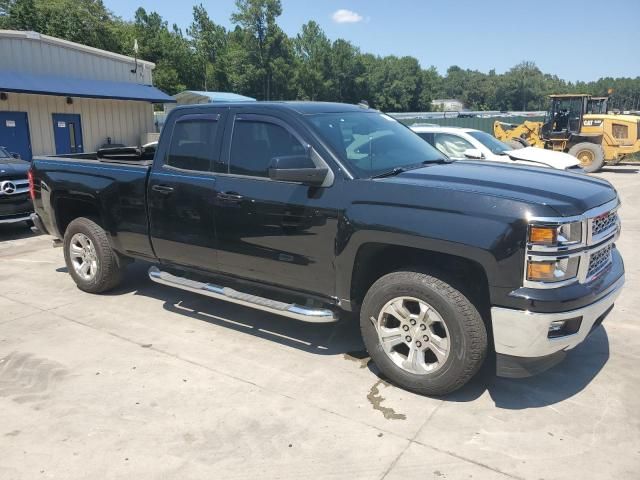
(135, 55)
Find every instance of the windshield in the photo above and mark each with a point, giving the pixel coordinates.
(495, 146)
(4, 153)
(372, 143)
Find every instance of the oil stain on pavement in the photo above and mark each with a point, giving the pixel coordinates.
(376, 399)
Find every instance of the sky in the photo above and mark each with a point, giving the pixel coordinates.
(576, 40)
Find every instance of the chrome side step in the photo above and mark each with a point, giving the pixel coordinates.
(291, 310)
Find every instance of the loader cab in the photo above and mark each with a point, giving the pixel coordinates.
(597, 105)
(564, 116)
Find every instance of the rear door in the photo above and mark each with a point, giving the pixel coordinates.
(182, 189)
(14, 133)
(67, 133)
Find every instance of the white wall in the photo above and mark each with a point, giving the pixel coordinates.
(125, 121)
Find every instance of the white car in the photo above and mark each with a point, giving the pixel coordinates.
(466, 143)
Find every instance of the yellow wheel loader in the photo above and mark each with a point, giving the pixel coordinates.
(579, 125)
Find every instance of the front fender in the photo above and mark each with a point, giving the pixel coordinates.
(495, 241)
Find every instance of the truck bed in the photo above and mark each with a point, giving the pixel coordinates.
(90, 185)
(119, 155)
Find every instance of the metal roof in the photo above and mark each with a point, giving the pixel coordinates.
(190, 96)
(41, 84)
(28, 35)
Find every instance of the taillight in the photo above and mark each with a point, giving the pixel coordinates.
(32, 186)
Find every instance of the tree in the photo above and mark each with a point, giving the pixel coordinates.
(394, 83)
(261, 36)
(209, 42)
(176, 68)
(523, 87)
(258, 59)
(82, 21)
(349, 82)
(313, 50)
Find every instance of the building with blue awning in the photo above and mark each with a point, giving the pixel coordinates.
(60, 97)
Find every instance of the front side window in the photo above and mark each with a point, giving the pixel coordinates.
(193, 143)
(451, 145)
(255, 143)
(371, 142)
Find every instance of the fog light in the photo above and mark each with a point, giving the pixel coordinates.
(561, 328)
(556, 326)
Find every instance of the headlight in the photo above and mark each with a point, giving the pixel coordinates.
(556, 235)
(552, 270)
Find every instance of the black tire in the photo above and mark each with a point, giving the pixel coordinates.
(109, 269)
(466, 331)
(517, 143)
(590, 155)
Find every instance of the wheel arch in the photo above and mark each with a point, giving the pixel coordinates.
(373, 260)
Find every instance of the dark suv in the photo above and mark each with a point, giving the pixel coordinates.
(15, 204)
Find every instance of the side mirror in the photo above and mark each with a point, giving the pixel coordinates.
(16, 155)
(473, 153)
(298, 169)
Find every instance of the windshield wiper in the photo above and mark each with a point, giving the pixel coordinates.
(391, 173)
(398, 170)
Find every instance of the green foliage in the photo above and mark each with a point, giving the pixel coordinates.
(256, 58)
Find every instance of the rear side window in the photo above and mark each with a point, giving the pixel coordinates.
(193, 143)
(255, 143)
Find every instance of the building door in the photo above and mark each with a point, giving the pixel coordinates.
(67, 132)
(14, 133)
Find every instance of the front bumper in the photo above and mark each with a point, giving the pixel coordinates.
(520, 334)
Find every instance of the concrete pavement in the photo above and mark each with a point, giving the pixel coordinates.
(152, 382)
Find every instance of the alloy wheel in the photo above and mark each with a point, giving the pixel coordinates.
(413, 335)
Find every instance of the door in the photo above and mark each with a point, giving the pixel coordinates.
(67, 132)
(278, 233)
(182, 190)
(14, 133)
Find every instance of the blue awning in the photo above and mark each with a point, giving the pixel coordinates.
(78, 87)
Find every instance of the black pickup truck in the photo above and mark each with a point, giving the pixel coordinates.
(317, 210)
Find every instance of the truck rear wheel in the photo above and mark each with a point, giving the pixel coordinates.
(422, 333)
(590, 155)
(91, 262)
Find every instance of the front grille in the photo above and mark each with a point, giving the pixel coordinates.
(603, 223)
(10, 187)
(599, 260)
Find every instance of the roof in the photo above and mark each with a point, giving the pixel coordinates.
(42, 84)
(301, 107)
(20, 34)
(196, 95)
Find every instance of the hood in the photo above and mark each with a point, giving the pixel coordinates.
(12, 168)
(549, 158)
(567, 193)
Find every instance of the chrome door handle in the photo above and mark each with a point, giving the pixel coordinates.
(163, 189)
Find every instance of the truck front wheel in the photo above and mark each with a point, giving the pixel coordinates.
(91, 262)
(422, 333)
